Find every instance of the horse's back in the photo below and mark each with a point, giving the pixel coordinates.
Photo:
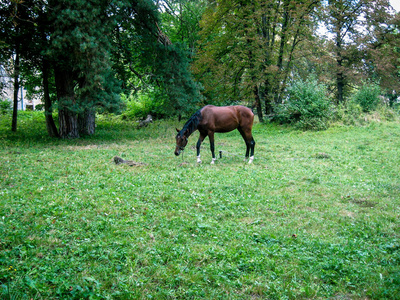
(226, 118)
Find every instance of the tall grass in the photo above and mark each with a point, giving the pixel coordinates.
(315, 216)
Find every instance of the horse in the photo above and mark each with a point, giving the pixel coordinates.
(211, 119)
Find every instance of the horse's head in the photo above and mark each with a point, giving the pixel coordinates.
(181, 142)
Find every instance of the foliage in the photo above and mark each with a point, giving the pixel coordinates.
(360, 47)
(148, 62)
(182, 93)
(39, 107)
(315, 216)
(139, 105)
(387, 113)
(350, 113)
(382, 59)
(368, 97)
(5, 106)
(88, 50)
(180, 19)
(243, 56)
(307, 106)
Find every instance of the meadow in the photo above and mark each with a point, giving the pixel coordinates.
(316, 216)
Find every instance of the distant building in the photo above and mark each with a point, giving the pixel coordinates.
(7, 92)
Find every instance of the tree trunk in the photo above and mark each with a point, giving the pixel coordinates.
(282, 50)
(87, 122)
(258, 104)
(67, 118)
(16, 90)
(268, 98)
(48, 111)
(339, 74)
(68, 122)
(253, 71)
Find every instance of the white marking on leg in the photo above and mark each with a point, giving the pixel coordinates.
(213, 161)
(198, 159)
(251, 159)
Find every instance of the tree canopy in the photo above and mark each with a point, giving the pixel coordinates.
(93, 49)
(82, 56)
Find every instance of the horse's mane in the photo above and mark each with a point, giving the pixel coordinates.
(191, 125)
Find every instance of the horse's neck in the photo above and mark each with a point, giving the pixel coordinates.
(191, 125)
(189, 130)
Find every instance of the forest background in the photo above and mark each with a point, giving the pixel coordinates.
(299, 62)
(316, 215)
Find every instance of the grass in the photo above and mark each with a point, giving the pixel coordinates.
(315, 216)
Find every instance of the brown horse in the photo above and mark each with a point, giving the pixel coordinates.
(211, 119)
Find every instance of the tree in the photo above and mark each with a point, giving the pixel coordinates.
(147, 61)
(38, 72)
(12, 35)
(250, 48)
(382, 55)
(180, 19)
(23, 40)
(352, 23)
(80, 46)
(79, 51)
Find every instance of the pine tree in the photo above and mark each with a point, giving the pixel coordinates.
(80, 47)
(150, 62)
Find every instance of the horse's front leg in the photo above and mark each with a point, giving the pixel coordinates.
(201, 139)
(212, 146)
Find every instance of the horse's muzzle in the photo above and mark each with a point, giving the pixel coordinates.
(178, 150)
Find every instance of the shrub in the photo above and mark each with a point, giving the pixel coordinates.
(367, 97)
(5, 106)
(307, 106)
(350, 113)
(39, 107)
(384, 113)
(138, 105)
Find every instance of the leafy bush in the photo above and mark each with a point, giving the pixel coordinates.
(39, 107)
(139, 105)
(350, 113)
(5, 106)
(383, 113)
(367, 97)
(307, 106)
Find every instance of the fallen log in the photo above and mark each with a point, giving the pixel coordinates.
(118, 160)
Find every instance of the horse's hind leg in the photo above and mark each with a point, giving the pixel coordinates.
(250, 143)
(212, 146)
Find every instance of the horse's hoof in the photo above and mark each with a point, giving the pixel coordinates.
(213, 161)
(251, 159)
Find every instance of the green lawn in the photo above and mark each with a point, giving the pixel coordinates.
(316, 216)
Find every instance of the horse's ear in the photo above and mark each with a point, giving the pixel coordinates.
(177, 130)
